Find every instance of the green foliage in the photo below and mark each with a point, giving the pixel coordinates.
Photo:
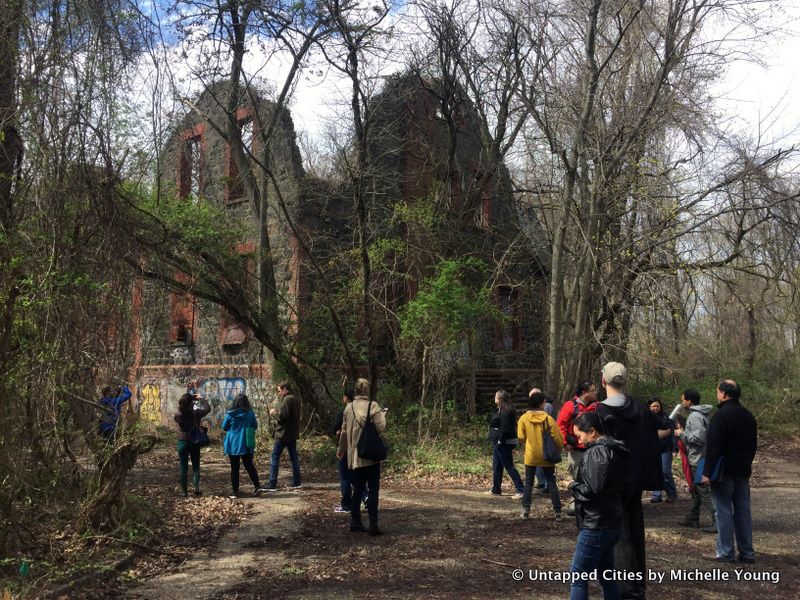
(449, 304)
(777, 409)
(194, 223)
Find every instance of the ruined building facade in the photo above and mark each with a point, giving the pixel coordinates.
(184, 342)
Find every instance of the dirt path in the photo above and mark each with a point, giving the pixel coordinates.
(457, 543)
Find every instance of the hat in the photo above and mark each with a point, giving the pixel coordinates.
(615, 373)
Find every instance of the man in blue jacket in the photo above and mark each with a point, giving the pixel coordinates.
(730, 450)
(112, 402)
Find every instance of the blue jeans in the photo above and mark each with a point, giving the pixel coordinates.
(277, 450)
(541, 482)
(346, 483)
(669, 481)
(594, 550)
(731, 498)
(503, 458)
(549, 473)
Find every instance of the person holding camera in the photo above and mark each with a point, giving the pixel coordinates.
(191, 409)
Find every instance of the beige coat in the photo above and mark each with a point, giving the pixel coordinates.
(355, 415)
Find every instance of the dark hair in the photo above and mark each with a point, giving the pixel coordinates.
(660, 404)
(583, 387)
(505, 400)
(730, 388)
(692, 395)
(587, 421)
(241, 401)
(349, 393)
(285, 385)
(536, 400)
(186, 405)
(106, 391)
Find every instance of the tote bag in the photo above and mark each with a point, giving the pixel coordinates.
(550, 449)
(370, 445)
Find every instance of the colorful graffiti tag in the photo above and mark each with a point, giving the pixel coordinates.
(150, 406)
(220, 392)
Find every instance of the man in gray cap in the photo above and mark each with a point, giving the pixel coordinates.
(629, 421)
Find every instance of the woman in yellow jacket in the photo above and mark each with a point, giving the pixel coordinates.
(530, 428)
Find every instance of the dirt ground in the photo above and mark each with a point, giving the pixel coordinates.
(443, 541)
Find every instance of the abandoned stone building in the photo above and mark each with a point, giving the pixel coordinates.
(185, 342)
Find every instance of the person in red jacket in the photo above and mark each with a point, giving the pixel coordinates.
(584, 400)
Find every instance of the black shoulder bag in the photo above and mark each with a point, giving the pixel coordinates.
(370, 445)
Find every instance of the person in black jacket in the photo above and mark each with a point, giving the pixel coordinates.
(191, 409)
(629, 421)
(666, 440)
(601, 480)
(287, 430)
(730, 450)
(503, 435)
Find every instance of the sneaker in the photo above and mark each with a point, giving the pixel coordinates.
(689, 523)
(374, 530)
(655, 500)
(558, 516)
(493, 493)
(356, 527)
(295, 487)
(712, 529)
(198, 493)
(525, 515)
(270, 488)
(234, 496)
(517, 496)
(748, 561)
(341, 509)
(259, 491)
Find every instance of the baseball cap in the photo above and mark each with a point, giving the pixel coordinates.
(615, 373)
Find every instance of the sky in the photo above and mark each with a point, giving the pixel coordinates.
(759, 98)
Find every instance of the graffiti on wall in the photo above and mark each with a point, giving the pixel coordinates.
(220, 392)
(150, 406)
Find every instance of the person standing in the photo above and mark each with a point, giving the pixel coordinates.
(287, 430)
(365, 473)
(730, 450)
(666, 439)
(112, 402)
(629, 421)
(345, 475)
(694, 437)
(236, 423)
(503, 435)
(601, 482)
(530, 432)
(191, 410)
(584, 400)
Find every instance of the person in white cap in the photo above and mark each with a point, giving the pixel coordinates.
(631, 422)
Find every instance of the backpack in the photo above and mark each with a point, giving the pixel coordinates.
(198, 434)
(370, 445)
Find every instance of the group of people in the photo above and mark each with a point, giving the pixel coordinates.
(616, 449)
(359, 477)
(239, 425)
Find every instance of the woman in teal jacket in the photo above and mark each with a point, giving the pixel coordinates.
(237, 421)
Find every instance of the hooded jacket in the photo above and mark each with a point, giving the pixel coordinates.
(602, 479)
(529, 431)
(631, 422)
(695, 433)
(112, 408)
(235, 425)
